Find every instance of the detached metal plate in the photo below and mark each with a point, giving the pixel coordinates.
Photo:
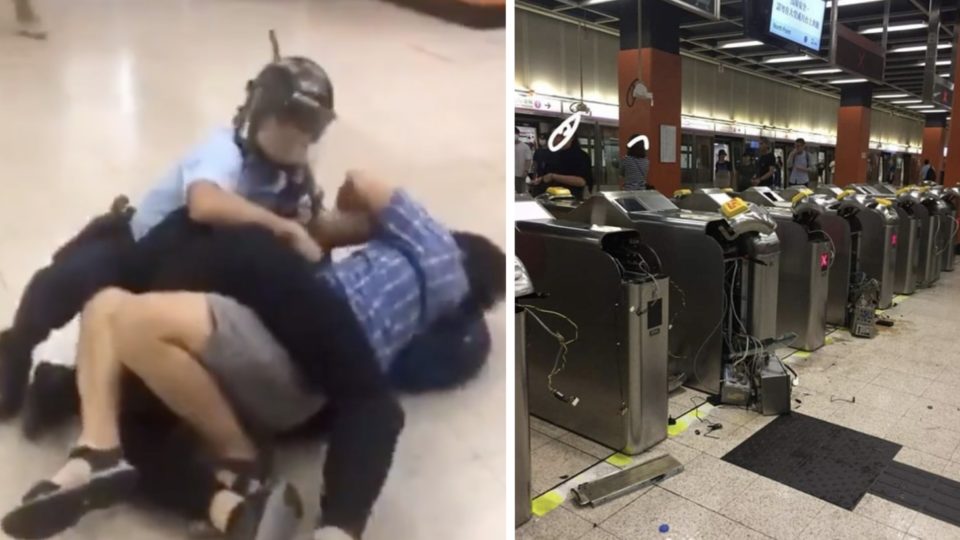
(626, 481)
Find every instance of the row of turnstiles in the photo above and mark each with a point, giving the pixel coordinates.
(699, 289)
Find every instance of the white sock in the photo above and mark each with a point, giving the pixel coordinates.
(331, 533)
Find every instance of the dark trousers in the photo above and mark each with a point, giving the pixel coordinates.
(92, 260)
(315, 326)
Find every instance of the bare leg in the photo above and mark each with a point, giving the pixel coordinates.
(160, 337)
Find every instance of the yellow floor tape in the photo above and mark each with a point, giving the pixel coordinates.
(546, 503)
(801, 354)
(688, 419)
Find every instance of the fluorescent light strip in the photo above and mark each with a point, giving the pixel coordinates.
(939, 63)
(820, 71)
(843, 3)
(785, 59)
(895, 28)
(847, 81)
(919, 106)
(930, 111)
(906, 101)
(740, 44)
(919, 48)
(890, 96)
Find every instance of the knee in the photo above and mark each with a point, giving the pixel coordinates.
(106, 303)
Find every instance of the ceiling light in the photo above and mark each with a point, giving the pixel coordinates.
(843, 3)
(939, 63)
(895, 28)
(785, 59)
(919, 48)
(929, 111)
(906, 101)
(847, 81)
(890, 96)
(919, 106)
(820, 71)
(740, 44)
(945, 75)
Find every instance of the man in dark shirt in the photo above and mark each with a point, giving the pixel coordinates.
(540, 156)
(766, 166)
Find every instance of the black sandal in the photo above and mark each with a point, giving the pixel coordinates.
(269, 513)
(48, 509)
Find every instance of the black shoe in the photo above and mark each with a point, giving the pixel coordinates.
(49, 509)
(52, 399)
(15, 364)
(271, 513)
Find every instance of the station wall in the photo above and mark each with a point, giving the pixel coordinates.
(548, 62)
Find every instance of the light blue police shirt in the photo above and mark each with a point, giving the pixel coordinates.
(217, 159)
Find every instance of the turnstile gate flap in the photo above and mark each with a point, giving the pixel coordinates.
(627, 481)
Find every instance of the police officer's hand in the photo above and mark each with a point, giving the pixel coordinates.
(297, 237)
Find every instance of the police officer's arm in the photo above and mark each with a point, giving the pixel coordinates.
(334, 228)
(208, 203)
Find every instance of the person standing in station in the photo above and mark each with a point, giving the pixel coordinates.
(523, 156)
(28, 22)
(927, 174)
(766, 166)
(540, 157)
(724, 170)
(799, 164)
(634, 167)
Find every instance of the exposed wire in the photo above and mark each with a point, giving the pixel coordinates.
(560, 361)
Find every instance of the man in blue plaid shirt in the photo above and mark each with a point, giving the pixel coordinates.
(280, 339)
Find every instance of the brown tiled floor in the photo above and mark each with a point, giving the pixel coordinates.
(906, 383)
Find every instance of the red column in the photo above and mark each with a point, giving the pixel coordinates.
(853, 134)
(934, 137)
(952, 163)
(658, 60)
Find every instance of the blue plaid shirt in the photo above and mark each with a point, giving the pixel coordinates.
(410, 273)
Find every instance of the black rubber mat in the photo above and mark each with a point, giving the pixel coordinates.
(933, 495)
(825, 460)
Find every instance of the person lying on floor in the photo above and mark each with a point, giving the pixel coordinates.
(255, 172)
(413, 275)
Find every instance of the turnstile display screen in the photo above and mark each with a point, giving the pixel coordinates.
(638, 204)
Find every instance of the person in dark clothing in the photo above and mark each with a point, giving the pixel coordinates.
(300, 305)
(540, 157)
(766, 166)
(568, 167)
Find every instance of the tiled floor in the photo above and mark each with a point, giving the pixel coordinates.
(124, 87)
(902, 386)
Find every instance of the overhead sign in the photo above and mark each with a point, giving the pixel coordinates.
(799, 21)
(942, 92)
(706, 8)
(857, 54)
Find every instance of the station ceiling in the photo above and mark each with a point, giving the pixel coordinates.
(710, 40)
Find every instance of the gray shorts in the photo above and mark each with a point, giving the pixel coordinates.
(255, 371)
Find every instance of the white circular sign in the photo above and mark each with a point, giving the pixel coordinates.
(638, 138)
(566, 131)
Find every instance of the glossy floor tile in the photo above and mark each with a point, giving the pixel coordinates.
(900, 386)
(123, 87)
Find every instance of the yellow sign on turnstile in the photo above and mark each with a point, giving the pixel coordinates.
(733, 207)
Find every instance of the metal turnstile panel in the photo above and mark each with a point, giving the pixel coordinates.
(838, 290)
(928, 266)
(617, 368)
(878, 252)
(908, 253)
(522, 420)
(948, 233)
(804, 276)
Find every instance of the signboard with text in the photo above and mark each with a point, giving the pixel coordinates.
(799, 21)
